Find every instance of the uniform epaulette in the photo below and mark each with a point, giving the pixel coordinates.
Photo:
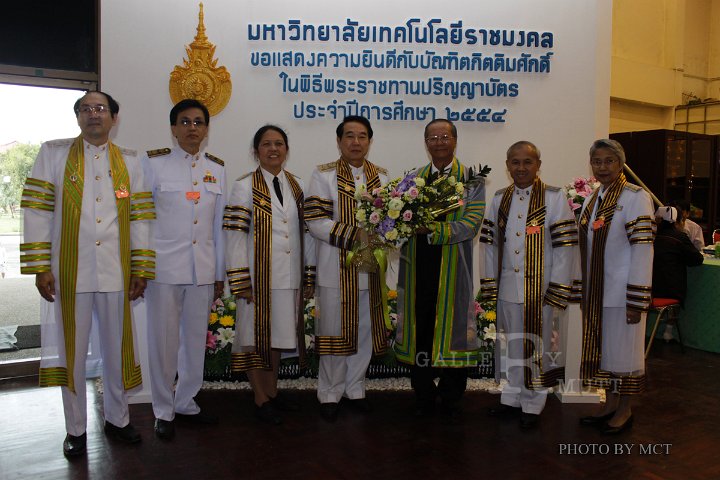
(63, 142)
(158, 152)
(501, 191)
(550, 188)
(381, 170)
(326, 167)
(243, 177)
(292, 174)
(128, 151)
(632, 187)
(214, 159)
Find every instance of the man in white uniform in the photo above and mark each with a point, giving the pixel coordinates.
(187, 185)
(348, 330)
(86, 222)
(531, 250)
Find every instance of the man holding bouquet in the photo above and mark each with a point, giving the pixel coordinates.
(531, 249)
(350, 323)
(436, 332)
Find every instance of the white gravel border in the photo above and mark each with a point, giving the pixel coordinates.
(403, 383)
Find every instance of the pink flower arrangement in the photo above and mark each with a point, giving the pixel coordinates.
(578, 190)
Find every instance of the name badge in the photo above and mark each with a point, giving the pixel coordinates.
(122, 192)
(192, 195)
(532, 229)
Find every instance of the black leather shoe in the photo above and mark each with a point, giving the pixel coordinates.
(267, 413)
(126, 434)
(529, 420)
(200, 418)
(502, 410)
(598, 421)
(164, 429)
(608, 430)
(284, 404)
(74, 446)
(360, 404)
(329, 411)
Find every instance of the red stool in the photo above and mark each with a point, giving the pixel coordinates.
(661, 306)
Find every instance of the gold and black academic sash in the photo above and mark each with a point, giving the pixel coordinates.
(594, 278)
(262, 287)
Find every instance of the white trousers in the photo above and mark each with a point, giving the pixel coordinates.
(514, 394)
(177, 322)
(342, 375)
(108, 308)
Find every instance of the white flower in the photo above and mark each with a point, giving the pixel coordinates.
(459, 188)
(452, 180)
(489, 332)
(396, 204)
(419, 182)
(225, 336)
(392, 234)
(361, 216)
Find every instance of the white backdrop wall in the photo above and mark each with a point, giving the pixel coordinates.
(561, 111)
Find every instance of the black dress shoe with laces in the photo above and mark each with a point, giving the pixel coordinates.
(164, 429)
(529, 420)
(284, 404)
(502, 410)
(266, 413)
(598, 421)
(329, 411)
(74, 446)
(200, 418)
(126, 434)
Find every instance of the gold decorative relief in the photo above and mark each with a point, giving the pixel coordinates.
(199, 77)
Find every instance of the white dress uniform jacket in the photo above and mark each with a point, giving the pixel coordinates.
(187, 236)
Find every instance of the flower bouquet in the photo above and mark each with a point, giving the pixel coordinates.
(391, 214)
(486, 317)
(220, 336)
(578, 190)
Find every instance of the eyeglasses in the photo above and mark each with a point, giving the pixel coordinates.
(596, 162)
(435, 139)
(89, 109)
(185, 122)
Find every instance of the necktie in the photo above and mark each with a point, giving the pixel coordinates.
(278, 192)
(599, 205)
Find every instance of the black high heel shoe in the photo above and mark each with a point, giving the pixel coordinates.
(590, 420)
(608, 430)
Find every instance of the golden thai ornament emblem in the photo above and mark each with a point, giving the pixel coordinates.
(199, 77)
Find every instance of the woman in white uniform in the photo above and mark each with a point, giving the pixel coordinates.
(616, 243)
(266, 253)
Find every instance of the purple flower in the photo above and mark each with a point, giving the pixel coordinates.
(407, 182)
(386, 225)
(378, 203)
